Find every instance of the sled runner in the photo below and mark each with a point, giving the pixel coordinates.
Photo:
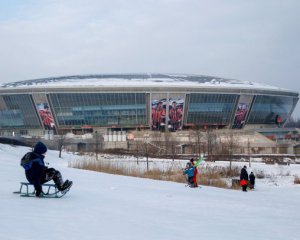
(188, 185)
(51, 192)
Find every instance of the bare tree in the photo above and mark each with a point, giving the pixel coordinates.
(139, 149)
(170, 144)
(137, 152)
(98, 143)
(211, 139)
(167, 141)
(146, 141)
(173, 149)
(199, 137)
(230, 147)
(249, 151)
(61, 141)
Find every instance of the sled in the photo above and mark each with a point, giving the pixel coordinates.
(188, 185)
(51, 190)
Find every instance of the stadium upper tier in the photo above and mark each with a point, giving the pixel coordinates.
(157, 101)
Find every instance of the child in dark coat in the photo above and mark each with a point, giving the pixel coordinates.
(37, 173)
(252, 180)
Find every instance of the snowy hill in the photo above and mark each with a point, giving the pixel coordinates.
(103, 206)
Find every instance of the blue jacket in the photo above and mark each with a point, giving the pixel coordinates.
(190, 171)
(34, 166)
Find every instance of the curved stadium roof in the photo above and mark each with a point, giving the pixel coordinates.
(182, 81)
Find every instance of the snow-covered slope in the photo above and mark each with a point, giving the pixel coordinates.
(103, 206)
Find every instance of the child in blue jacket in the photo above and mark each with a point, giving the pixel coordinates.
(37, 173)
(189, 171)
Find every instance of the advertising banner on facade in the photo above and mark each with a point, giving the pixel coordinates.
(46, 115)
(44, 111)
(242, 111)
(167, 111)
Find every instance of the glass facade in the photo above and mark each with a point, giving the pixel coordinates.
(266, 109)
(99, 109)
(214, 109)
(43, 110)
(17, 111)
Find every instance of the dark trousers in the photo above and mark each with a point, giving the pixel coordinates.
(52, 174)
(244, 188)
(48, 175)
(191, 181)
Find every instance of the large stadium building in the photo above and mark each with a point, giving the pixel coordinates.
(160, 102)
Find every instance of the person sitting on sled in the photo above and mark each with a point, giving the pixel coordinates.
(37, 173)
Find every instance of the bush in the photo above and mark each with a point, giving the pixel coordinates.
(297, 180)
(260, 174)
(235, 183)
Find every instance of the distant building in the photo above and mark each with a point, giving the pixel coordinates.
(161, 102)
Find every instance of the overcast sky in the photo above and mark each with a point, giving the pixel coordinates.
(255, 40)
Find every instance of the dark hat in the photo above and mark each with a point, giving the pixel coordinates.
(245, 166)
(40, 148)
(192, 160)
(188, 164)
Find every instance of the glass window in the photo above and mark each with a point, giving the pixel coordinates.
(99, 109)
(208, 109)
(17, 111)
(266, 109)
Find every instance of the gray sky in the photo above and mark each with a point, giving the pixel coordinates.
(255, 40)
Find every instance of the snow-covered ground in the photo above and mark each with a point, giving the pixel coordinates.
(103, 206)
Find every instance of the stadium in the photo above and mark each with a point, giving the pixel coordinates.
(158, 102)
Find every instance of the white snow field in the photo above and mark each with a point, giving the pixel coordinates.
(111, 207)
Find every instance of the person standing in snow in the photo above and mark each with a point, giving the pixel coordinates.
(195, 173)
(189, 171)
(244, 178)
(252, 180)
(37, 173)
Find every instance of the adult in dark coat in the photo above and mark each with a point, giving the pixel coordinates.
(244, 178)
(252, 180)
(37, 173)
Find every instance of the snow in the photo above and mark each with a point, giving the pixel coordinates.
(104, 206)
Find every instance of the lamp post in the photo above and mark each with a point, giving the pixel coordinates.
(249, 151)
(146, 141)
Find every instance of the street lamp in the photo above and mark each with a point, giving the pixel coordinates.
(146, 141)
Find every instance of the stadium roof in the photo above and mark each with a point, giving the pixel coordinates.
(141, 80)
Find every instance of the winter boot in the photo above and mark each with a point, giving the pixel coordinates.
(67, 184)
(40, 194)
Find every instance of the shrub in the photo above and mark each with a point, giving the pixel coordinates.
(297, 180)
(235, 183)
(260, 174)
(207, 176)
